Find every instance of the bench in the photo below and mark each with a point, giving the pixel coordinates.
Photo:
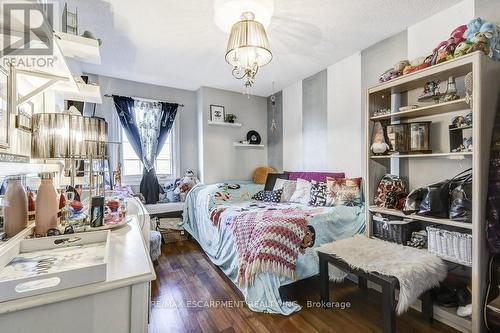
(388, 283)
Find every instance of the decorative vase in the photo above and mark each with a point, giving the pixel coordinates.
(46, 205)
(16, 207)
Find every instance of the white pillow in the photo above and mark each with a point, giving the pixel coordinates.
(288, 187)
(302, 192)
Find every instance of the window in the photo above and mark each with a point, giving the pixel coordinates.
(132, 165)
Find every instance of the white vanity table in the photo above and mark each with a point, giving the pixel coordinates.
(118, 304)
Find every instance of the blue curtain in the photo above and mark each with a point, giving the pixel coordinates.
(125, 106)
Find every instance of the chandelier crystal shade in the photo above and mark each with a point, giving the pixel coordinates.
(248, 48)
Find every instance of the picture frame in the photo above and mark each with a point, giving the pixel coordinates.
(4, 108)
(217, 113)
(24, 121)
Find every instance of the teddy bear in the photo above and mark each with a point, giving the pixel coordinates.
(394, 72)
(462, 49)
(185, 184)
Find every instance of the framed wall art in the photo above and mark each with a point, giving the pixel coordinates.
(217, 113)
(4, 108)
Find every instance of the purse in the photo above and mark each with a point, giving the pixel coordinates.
(413, 200)
(436, 201)
(391, 192)
(461, 201)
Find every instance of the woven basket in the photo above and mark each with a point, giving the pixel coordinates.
(450, 245)
(394, 231)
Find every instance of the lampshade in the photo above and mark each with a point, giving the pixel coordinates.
(248, 44)
(228, 12)
(60, 135)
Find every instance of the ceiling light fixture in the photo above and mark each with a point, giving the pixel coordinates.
(228, 12)
(248, 48)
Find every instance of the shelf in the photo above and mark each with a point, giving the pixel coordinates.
(461, 155)
(456, 67)
(90, 93)
(431, 110)
(246, 145)
(79, 48)
(223, 124)
(394, 212)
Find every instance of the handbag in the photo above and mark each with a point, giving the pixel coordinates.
(391, 192)
(436, 201)
(461, 201)
(413, 200)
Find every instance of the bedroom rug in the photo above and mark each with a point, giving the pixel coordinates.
(417, 270)
(268, 241)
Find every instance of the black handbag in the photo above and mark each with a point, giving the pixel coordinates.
(413, 200)
(461, 201)
(436, 201)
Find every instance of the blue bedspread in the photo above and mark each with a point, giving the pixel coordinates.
(330, 223)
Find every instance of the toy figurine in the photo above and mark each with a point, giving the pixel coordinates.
(379, 146)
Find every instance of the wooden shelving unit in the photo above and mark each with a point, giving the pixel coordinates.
(422, 169)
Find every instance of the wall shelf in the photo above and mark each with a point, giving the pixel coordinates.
(447, 155)
(223, 124)
(431, 110)
(79, 48)
(428, 219)
(246, 145)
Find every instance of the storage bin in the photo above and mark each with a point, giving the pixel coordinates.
(394, 231)
(450, 245)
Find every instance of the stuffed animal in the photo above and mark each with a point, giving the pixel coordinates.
(394, 72)
(186, 184)
(462, 49)
(413, 65)
(445, 50)
(379, 146)
(485, 35)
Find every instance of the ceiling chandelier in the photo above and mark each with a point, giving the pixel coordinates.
(248, 48)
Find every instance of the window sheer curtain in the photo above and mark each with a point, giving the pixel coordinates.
(147, 124)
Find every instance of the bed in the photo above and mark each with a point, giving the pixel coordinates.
(218, 241)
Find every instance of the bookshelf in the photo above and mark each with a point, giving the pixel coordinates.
(422, 169)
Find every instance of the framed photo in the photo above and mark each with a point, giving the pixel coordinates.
(24, 117)
(4, 108)
(217, 113)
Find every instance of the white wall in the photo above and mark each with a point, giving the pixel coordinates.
(488, 10)
(424, 36)
(344, 116)
(292, 128)
(220, 160)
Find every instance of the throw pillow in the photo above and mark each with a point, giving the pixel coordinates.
(288, 187)
(343, 191)
(302, 192)
(318, 194)
(268, 196)
(260, 174)
(271, 180)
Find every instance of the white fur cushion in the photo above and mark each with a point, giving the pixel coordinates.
(288, 187)
(302, 192)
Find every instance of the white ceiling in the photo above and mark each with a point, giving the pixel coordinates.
(176, 42)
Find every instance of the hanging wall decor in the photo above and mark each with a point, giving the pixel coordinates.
(24, 117)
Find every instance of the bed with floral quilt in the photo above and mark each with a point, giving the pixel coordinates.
(262, 246)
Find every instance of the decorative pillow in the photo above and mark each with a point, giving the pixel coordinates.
(343, 191)
(260, 174)
(268, 196)
(288, 187)
(271, 180)
(302, 192)
(317, 176)
(318, 193)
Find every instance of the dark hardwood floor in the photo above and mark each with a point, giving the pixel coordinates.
(186, 276)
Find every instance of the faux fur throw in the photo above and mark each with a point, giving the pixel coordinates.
(417, 270)
(268, 241)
